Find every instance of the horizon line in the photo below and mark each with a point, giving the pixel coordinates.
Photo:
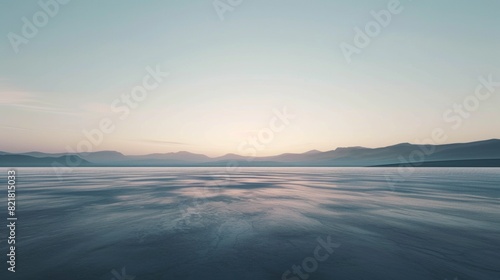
(213, 157)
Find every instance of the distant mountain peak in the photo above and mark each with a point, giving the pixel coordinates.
(185, 153)
(312, 152)
(494, 140)
(405, 144)
(483, 152)
(108, 152)
(349, 148)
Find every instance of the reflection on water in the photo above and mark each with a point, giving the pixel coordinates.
(256, 223)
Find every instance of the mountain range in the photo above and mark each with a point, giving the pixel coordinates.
(474, 154)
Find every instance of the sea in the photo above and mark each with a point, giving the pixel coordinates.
(253, 223)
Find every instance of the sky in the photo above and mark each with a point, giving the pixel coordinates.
(217, 77)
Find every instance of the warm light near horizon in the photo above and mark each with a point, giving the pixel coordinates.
(225, 80)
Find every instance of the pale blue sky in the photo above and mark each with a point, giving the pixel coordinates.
(227, 76)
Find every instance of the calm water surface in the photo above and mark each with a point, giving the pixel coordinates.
(256, 223)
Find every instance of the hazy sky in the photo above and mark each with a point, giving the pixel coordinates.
(229, 73)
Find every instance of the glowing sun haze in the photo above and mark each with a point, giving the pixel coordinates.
(226, 79)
